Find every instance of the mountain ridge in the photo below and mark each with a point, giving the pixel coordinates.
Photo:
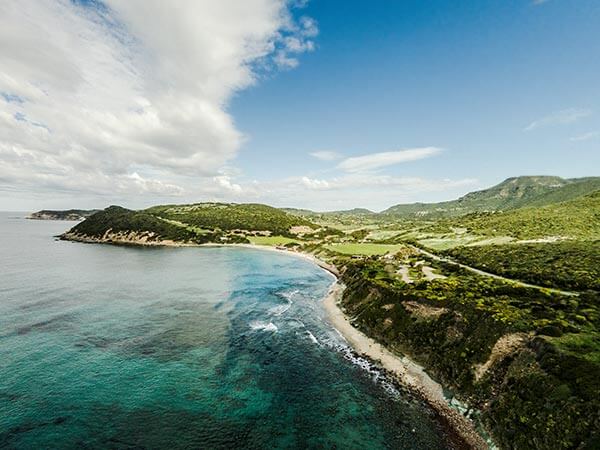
(512, 193)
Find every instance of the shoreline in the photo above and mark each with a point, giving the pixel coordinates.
(407, 373)
(134, 241)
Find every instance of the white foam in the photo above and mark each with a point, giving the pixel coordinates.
(261, 326)
(288, 295)
(375, 372)
(281, 309)
(312, 337)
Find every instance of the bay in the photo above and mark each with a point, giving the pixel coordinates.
(126, 347)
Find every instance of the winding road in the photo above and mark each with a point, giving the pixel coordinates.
(493, 275)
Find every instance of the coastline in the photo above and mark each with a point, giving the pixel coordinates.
(135, 239)
(407, 373)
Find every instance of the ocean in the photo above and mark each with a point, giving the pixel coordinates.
(127, 347)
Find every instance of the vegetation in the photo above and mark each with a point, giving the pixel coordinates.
(512, 193)
(363, 248)
(542, 393)
(575, 219)
(231, 216)
(272, 240)
(117, 219)
(200, 223)
(573, 265)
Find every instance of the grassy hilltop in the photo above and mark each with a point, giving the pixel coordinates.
(507, 339)
(195, 223)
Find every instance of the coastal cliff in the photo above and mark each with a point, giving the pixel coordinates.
(529, 391)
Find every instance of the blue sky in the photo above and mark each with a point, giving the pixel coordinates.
(434, 98)
(465, 76)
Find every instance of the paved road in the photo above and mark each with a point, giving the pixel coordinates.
(493, 275)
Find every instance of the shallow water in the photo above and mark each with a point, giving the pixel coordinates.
(121, 347)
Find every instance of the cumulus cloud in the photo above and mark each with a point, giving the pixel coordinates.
(563, 117)
(132, 96)
(226, 183)
(378, 160)
(326, 155)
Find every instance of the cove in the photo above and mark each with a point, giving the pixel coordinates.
(124, 347)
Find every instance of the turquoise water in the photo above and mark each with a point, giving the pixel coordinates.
(119, 347)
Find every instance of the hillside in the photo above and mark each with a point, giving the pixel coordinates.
(69, 214)
(231, 216)
(512, 193)
(575, 219)
(195, 223)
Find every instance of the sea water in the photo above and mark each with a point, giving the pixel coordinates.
(125, 347)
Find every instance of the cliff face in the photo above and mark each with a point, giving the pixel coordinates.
(530, 393)
(145, 238)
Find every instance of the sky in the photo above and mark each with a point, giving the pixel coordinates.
(320, 104)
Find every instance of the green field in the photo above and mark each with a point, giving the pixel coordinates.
(272, 240)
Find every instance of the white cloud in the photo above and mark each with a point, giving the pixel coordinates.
(224, 182)
(373, 191)
(313, 183)
(364, 180)
(384, 159)
(563, 117)
(585, 136)
(326, 155)
(132, 95)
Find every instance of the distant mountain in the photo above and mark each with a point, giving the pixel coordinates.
(512, 193)
(69, 214)
(348, 212)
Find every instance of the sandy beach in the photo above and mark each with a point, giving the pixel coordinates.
(407, 372)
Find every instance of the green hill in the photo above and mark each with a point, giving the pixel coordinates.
(575, 188)
(575, 219)
(512, 193)
(195, 223)
(232, 216)
(117, 219)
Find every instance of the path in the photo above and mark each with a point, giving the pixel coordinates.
(493, 275)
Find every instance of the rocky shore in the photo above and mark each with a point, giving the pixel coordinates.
(405, 371)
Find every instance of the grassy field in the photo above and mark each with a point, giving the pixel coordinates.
(272, 240)
(364, 249)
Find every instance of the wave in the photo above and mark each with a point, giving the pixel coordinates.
(281, 309)
(261, 326)
(376, 373)
(312, 337)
